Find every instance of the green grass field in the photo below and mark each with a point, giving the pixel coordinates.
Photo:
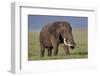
(80, 37)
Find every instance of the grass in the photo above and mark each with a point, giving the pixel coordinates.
(80, 37)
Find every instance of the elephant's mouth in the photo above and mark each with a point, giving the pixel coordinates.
(67, 43)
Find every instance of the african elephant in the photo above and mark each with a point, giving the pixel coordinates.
(53, 34)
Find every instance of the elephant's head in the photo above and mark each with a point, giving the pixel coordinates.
(63, 32)
(66, 33)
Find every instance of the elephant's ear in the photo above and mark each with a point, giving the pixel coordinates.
(54, 31)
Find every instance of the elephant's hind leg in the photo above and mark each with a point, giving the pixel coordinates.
(42, 52)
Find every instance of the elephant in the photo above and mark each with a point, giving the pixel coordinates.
(53, 34)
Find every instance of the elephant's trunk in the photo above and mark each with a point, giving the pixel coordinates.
(67, 43)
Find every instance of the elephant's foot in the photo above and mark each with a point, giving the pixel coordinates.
(55, 53)
(67, 53)
(50, 53)
(42, 53)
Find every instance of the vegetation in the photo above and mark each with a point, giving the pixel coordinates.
(80, 37)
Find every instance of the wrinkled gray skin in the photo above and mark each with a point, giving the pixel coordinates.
(54, 34)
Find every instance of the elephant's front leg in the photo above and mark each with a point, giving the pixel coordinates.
(55, 45)
(55, 50)
(66, 49)
(49, 52)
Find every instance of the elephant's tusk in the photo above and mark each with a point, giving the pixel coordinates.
(67, 43)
